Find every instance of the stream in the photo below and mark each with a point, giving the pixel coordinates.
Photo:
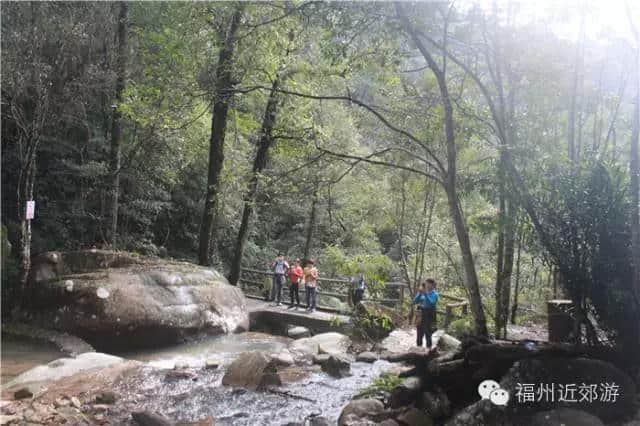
(204, 396)
(20, 354)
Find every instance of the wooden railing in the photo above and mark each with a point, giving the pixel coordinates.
(256, 283)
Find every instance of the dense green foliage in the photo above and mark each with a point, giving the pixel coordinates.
(359, 125)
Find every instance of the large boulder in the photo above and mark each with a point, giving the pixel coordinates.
(112, 298)
(252, 370)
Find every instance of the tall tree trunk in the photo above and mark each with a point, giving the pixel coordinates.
(222, 96)
(403, 255)
(312, 221)
(634, 184)
(514, 307)
(500, 254)
(30, 117)
(116, 132)
(259, 163)
(449, 181)
(507, 267)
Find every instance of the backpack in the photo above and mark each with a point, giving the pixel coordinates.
(280, 268)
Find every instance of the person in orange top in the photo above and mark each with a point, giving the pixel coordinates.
(295, 275)
(310, 277)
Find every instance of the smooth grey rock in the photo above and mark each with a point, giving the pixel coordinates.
(298, 332)
(283, 358)
(121, 298)
(330, 343)
(360, 408)
(64, 367)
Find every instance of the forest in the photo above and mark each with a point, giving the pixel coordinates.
(492, 146)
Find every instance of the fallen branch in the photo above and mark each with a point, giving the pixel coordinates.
(289, 395)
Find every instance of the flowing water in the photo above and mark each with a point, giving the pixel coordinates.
(202, 396)
(220, 348)
(190, 400)
(20, 354)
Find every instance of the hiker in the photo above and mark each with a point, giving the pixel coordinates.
(279, 268)
(295, 276)
(426, 299)
(358, 290)
(310, 280)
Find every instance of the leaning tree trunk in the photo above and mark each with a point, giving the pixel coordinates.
(222, 96)
(259, 163)
(116, 131)
(449, 180)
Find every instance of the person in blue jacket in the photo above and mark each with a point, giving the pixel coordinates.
(426, 299)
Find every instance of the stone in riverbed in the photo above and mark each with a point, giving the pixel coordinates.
(415, 417)
(148, 418)
(76, 402)
(252, 370)
(336, 366)
(24, 392)
(298, 332)
(405, 393)
(360, 408)
(173, 375)
(329, 343)
(63, 367)
(446, 343)
(106, 397)
(212, 364)
(283, 358)
(119, 298)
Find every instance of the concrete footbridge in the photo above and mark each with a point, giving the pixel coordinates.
(269, 316)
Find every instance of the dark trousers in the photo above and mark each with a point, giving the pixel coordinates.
(276, 288)
(294, 290)
(425, 326)
(358, 294)
(311, 297)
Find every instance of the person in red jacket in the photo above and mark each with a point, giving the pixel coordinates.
(295, 275)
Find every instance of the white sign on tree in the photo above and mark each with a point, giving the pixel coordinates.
(31, 209)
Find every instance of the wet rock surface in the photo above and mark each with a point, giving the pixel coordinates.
(113, 298)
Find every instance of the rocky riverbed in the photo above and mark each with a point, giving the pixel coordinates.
(197, 381)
